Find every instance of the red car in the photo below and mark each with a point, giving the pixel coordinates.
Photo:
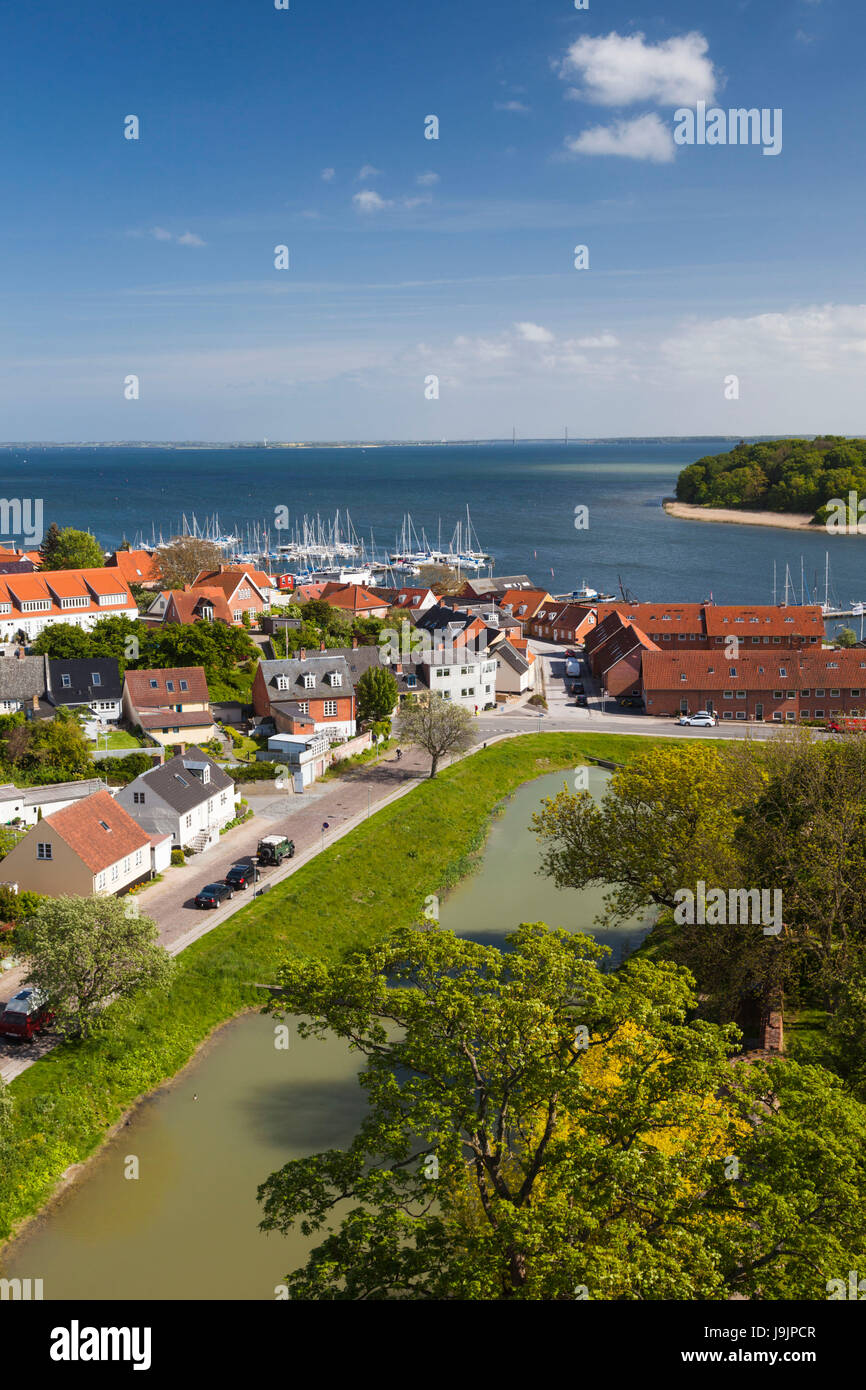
(25, 1015)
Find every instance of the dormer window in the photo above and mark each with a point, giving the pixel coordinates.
(309, 680)
(282, 682)
(336, 678)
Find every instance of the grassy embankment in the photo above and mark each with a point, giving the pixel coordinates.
(374, 879)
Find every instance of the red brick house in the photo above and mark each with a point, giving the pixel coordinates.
(780, 686)
(307, 694)
(353, 599)
(559, 621)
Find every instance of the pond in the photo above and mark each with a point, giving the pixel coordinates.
(186, 1226)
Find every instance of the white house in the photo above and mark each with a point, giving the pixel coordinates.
(464, 677)
(30, 602)
(188, 797)
(305, 756)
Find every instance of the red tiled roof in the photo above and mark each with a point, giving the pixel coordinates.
(136, 566)
(52, 585)
(352, 597)
(83, 827)
(228, 580)
(185, 600)
(144, 696)
(531, 599)
(709, 670)
(725, 620)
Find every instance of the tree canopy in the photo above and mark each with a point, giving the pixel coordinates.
(783, 475)
(438, 726)
(539, 1130)
(68, 549)
(84, 952)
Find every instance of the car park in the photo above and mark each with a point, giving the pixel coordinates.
(213, 895)
(24, 1015)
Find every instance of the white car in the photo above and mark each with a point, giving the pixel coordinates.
(703, 719)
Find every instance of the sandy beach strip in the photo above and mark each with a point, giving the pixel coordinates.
(788, 521)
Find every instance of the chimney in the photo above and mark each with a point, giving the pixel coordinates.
(322, 645)
(303, 653)
(181, 748)
(19, 652)
(354, 643)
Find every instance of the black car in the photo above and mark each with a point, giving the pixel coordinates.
(240, 876)
(578, 688)
(213, 894)
(582, 701)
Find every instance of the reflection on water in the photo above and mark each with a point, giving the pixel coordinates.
(187, 1227)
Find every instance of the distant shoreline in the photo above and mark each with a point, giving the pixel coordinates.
(786, 521)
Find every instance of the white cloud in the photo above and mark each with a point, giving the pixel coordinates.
(369, 201)
(829, 338)
(427, 179)
(510, 106)
(644, 137)
(421, 200)
(601, 340)
(328, 174)
(623, 68)
(534, 333)
(367, 171)
(185, 239)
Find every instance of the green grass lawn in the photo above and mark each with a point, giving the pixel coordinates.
(371, 881)
(118, 738)
(230, 686)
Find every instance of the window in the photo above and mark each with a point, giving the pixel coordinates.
(169, 685)
(243, 593)
(783, 670)
(411, 682)
(138, 798)
(777, 640)
(834, 694)
(282, 682)
(854, 694)
(105, 825)
(100, 881)
(335, 678)
(44, 850)
(127, 864)
(805, 694)
(741, 713)
(741, 695)
(184, 685)
(95, 678)
(139, 855)
(682, 675)
(732, 670)
(790, 694)
(188, 822)
(819, 692)
(223, 798)
(329, 708)
(832, 666)
(466, 694)
(443, 671)
(237, 615)
(466, 670)
(66, 681)
(309, 680)
(819, 714)
(728, 714)
(729, 695)
(777, 716)
(115, 873)
(303, 706)
(154, 685)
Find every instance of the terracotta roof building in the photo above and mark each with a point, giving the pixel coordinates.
(780, 686)
(88, 848)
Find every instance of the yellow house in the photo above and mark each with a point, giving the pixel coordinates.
(92, 847)
(171, 705)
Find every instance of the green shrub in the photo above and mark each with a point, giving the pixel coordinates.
(178, 857)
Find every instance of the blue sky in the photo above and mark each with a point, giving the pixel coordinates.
(412, 258)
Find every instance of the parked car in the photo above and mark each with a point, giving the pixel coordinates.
(240, 876)
(273, 849)
(582, 702)
(572, 666)
(578, 688)
(700, 720)
(24, 1015)
(213, 894)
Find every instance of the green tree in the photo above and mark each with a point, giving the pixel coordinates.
(377, 693)
(538, 1130)
(62, 641)
(438, 726)
(665, 821)
(49, 545)
(84, 952)
(69, 549)
(846, 637)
